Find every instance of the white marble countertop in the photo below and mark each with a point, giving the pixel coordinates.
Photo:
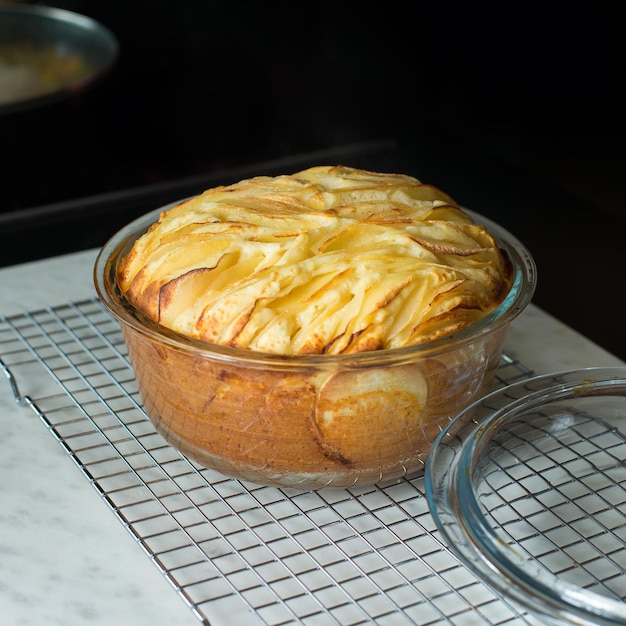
(64, 556)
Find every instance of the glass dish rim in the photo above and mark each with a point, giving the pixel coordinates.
(119, 243)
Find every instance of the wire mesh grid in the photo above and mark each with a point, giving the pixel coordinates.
(270, 555)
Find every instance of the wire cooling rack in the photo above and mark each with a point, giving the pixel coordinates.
(267, 555)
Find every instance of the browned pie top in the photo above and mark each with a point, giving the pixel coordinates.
(331, 260)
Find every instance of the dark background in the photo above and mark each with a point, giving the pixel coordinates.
(517, 113)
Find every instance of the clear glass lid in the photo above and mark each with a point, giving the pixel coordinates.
(528, 488)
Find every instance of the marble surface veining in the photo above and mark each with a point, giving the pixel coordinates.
(65, 558)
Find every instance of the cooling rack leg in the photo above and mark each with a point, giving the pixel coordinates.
(19, 399)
